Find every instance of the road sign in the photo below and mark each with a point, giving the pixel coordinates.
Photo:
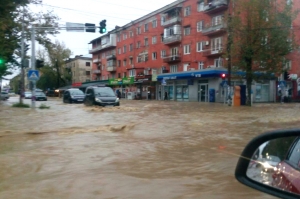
(33, 75)
(75, 27)
(224, 83)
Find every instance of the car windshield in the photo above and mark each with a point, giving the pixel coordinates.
(27, 93)
(104, 92)
(39, 94)
(76, 92)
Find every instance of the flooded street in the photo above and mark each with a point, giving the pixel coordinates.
(142, 149)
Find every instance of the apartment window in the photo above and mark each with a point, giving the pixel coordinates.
(88, 73)
(162, 37)
(124, 49)
(154, 40)
(217, 20)
(187, 11)
(131, 73)
(218, 62)
(130, 60)
(200, 46)
(200, 65)
(187, 30)
(146, 42)
(200, 26)
(154, 23)
(124, 62)
(146, 71)
(138, 45)
(162, 20)
(130, 34)
(87, 63)
(200, 6)
(173, 69)
(119, 63)
(154, 55)
(138, 30)
(288, 65)
(124, 74)
(124, 36)
(119, 75)
(103, 55)
(119, 51)
(131, 47)
(118, 37)
(216, 44)
(163, 53)
(142, 58)
(146, 28)
(186, 49)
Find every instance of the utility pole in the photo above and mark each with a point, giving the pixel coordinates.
(22, 62)
(33, 64)
(229, 43)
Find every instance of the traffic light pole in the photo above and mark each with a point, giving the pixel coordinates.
(33, 65)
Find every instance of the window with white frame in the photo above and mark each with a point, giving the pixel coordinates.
(200, 25)
(143, 57)
(124, 62)
(154, 55)
(154, 40)
(217, 20)
(146, 27)
(218, 62)
(200, 6)
(132, 73)
(288, 65)
(216, 44)
(130, 47)
(138, 45)
(146, 42)
(187, 49)
(200, 46)
(187, 30)
(119, 63)
(154, 23)
(119, 51)
(163, 53)
(124, 36)
(200, 65)
(130, 34)
(173, 69)
(187, 11)
(130, 60)
(124, 49)
(163, 19)
(146, 71)
(118, 37)
(138, 30)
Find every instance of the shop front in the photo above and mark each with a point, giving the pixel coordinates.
(124, 85)
(146, 88)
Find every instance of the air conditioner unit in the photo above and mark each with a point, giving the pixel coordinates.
(207, 43)
(211, 66)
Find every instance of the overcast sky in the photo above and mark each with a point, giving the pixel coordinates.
(116, 12)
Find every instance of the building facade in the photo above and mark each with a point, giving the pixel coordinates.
(177, 53)
(80, 68)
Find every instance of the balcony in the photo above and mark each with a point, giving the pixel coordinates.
(172, 21)
(96, 71)
(172, 39)
(216, 6)
(214, 29)
(111, 68)
(97, 60)
(172, 58)
(104, 46)
(109, 57)
(209, 52)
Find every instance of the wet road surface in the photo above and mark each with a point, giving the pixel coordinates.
(142, 149)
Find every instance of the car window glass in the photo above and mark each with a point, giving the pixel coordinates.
(294, 156)
(104, 92)
(76, 92)
(89, 91)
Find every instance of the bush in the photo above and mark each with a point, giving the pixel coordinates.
(43, 106)
(21, 105)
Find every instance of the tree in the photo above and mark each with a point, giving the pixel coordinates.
(263, 37)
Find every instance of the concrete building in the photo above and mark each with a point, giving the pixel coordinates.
(80, 68)
(178, 50)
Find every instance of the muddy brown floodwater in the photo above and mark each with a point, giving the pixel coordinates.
(142, 149)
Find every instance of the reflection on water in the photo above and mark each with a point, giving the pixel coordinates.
(142, 149)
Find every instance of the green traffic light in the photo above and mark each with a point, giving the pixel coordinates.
(1, 61)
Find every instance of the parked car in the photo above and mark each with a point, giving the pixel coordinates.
(73, 95)
(27, 95)
(100, 95)
(4, 95)
(40, 96)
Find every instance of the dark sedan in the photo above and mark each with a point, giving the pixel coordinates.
(40, 96)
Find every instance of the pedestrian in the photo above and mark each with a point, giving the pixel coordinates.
(159, 95)
(166, 96)
(118, 93)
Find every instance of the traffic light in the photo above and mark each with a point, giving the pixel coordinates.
(223, 76)
(103, 26)
(1, 61)
(39, 63)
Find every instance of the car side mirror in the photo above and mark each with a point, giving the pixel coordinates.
(271, 163)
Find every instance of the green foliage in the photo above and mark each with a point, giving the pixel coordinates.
(43, 106)
(47, 78)
(21, 105)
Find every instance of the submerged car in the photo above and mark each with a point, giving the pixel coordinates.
(73, 95)
(100, 95)
(27, 95)
(40, 96)
(4, 95)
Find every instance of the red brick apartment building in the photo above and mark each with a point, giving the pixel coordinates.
(176, 50)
